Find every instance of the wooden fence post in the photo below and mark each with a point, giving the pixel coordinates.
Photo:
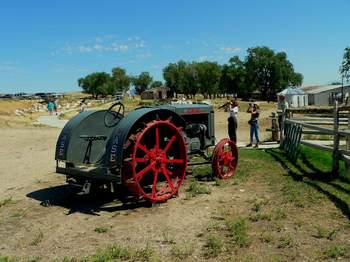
(335, 168)
(282, 127)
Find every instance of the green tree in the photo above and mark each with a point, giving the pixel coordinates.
(142, 82)
(173, 75)
(208, 77)
(95, 83)
(190, 80)
(120, 79)
(233, 77)
(156, 84)
(269, 72)
(345, 66)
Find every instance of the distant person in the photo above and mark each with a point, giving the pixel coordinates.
(282, 106)
(55, 107)
(254, 111)
(83, 105)
(50, 107)
(232, 120)
(231, 107)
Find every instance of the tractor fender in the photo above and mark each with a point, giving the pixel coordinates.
(126, 126)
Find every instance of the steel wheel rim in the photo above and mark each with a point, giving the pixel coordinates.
(225, 159)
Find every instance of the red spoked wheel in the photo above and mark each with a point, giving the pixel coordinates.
(158, 161)
(225, 159)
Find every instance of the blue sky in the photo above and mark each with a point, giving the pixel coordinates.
(48, 45)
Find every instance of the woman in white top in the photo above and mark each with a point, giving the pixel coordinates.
(232, 120)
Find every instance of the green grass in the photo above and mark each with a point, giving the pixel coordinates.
(37, 239)
(279, 213)
(7, 259)
(286, 241)
(309, 179)
(182, 251)
(101, 230)
(335, 252)
(254, 217)
(117, 252)
(213, 246)
(197, 188)
(238, 230)
(322, 232)
(6, 201)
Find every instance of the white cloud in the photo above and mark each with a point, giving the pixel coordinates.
(107, 43)
(144, 56)
(230, 50)
(84, 49)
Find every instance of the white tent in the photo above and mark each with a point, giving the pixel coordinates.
(295, 97)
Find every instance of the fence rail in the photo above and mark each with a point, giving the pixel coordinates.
(314, 121)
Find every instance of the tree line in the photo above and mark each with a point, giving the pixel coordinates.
(104, 84)
(262, 70)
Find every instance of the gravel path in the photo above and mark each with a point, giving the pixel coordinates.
(52, 120)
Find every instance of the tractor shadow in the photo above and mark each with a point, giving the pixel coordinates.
(69, 197)
(333, 189)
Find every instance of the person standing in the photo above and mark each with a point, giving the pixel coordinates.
(254, 111)
(55, 107)
(282, 106)
(231, 107)
(50, 106)
(232, 120)
(82, 106)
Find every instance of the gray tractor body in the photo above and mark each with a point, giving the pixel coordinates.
(87, 149)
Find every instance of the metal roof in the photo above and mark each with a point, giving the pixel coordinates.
(292, 91)
(321, 88)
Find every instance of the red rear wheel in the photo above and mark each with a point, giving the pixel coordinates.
(225, 159)
(158, 161)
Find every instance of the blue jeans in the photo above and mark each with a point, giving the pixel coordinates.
(254, 130)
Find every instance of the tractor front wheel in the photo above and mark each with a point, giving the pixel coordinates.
(225, 159)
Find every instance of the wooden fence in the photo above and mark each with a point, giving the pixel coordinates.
(334, 122)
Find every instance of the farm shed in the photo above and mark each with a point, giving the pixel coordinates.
(295, 97)
(156, 93)
(324, 95)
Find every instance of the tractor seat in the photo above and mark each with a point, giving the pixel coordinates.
(90, 139)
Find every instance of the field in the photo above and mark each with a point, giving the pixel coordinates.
(272, 210)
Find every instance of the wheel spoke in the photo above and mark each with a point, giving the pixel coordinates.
(140, 160)
(174, 161)
(157, 138)
(171, 141)
(140, 174)
(143, 148)
(231, 167)
(171, 184)
(154, 187)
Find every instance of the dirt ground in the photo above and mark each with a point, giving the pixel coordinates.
(42, 218)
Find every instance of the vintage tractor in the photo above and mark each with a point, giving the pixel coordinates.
(146, 152)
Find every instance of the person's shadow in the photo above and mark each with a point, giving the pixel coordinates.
(69, 197)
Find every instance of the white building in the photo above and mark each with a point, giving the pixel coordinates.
(295, 97)
(324, 95)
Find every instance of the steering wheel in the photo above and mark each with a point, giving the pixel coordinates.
(114, 114)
